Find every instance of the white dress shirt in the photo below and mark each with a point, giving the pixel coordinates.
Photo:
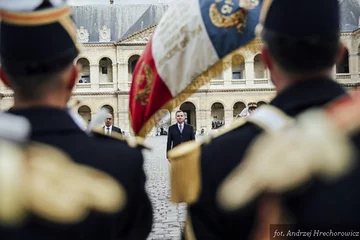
(106, 129)
(182, 126)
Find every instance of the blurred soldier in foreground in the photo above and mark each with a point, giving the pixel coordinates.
(14, 132)
(40, 181)
(301, 45)
(37, 50)
(312, 173)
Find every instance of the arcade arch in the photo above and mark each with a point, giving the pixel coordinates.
(189, 110)
(261, 103)
(85, 70)
(217, 115)
(238, 67)
(85, 112)
(132, 64)
(237, 108)
(110, 108)
(259, 67)
(105, 70)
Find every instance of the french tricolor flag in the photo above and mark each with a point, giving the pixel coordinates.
(186, 51)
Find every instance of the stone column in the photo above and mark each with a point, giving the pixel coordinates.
(94, 76)
(227, 75)
(228, 117)
(201, 119)
(198, 122)
(123, 77)
(249, 72)
(334, 72)
(114, 75)
(123, 113)
(208, 119)
(353, 66)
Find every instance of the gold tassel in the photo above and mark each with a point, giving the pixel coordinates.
(185, 172)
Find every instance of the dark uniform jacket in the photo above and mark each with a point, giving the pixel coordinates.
(125, 164)
(320, 203)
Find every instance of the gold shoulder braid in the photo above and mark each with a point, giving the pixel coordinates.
(63, 191)
(238, 18)
(59, 190)
(12, 189)
(287, 159)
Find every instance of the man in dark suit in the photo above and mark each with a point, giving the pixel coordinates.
(300, 56)
(179, 132)
(42, 74)
(109, 128)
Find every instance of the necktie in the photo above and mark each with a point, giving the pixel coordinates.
(108, 131)
(180, 128)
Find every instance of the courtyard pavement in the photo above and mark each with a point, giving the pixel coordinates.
(169, 218)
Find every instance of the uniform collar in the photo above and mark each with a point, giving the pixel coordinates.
(47, 119)
(305, 94)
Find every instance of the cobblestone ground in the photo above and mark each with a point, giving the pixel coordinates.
(169, 218)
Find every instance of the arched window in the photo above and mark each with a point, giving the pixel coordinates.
(85, 70)
(105, 70)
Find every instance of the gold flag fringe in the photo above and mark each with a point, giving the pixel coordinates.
(198, 82)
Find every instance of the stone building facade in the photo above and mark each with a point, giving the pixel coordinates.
(108, 64)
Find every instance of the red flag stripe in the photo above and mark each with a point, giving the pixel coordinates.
(148, 92)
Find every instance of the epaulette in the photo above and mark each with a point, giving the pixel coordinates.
(134, 142)
(44, 181)
(185, 158)
(288, 158)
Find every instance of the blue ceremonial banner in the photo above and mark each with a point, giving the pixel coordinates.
(228, 25)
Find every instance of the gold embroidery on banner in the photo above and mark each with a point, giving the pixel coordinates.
(142, 95)
(238, 18)
(182, 40)
(198, 81)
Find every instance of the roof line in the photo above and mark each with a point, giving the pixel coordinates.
(136, 33)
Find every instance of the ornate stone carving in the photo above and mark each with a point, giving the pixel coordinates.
(82, 35)
(144, 36)
(139, 37)
(104, 34)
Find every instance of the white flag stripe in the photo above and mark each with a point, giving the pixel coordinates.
(181, 47)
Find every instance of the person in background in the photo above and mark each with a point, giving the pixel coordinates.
(109, 128)
(179, 132)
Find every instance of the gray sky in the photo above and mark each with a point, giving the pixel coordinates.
(86, 2)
